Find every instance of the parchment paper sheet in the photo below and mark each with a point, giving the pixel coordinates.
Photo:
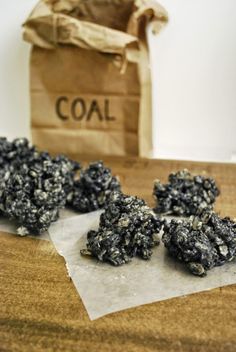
(105, 289)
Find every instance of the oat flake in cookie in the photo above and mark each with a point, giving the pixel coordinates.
(93, 188)
(185, 194)
(128, 228)
(201, 242)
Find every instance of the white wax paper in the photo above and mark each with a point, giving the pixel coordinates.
(105, 289)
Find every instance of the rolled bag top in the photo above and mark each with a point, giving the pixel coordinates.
(51, 24)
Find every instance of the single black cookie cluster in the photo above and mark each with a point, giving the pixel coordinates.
(185, 194)
(127, 228)
(14, 154)
(33, 186)
(93, 188)
(202, 242)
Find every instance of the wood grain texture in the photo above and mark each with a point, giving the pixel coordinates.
(40, 309)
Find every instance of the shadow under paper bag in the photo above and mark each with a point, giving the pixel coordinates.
(106, 289)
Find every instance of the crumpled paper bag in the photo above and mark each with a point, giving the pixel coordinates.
(90, 79)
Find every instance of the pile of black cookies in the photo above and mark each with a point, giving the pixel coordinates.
(128, 228)
(34, 186)
(203, 239)
(202, 242)
(185, 194)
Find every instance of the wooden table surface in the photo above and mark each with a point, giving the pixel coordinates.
(40, 309)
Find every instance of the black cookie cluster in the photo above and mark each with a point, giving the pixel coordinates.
(201, 242)
(93, 188)
(33, 185)
(127, 229)
(14, 154)
(185, 194)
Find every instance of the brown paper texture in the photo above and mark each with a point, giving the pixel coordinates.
(90, 82)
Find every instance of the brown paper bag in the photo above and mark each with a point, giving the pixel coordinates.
(90, 82)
